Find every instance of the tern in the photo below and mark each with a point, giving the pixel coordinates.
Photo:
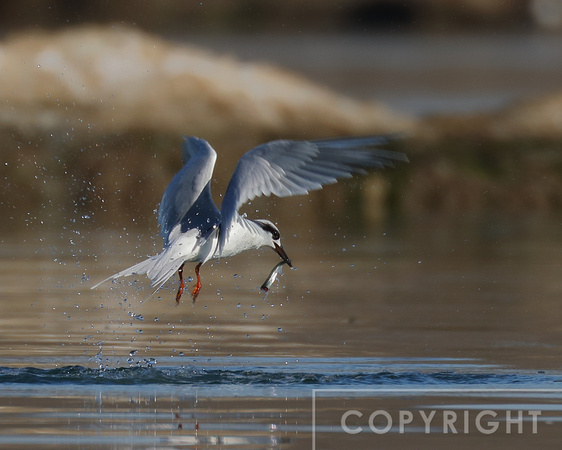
(195, 230)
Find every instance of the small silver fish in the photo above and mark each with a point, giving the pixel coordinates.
(278, 269)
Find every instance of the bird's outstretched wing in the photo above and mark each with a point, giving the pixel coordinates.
(188, 185)
(286, 168)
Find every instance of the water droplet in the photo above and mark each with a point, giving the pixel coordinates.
(136, 316)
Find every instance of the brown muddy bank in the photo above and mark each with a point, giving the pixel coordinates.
(92, 118)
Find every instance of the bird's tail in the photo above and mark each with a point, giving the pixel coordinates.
(158, 268)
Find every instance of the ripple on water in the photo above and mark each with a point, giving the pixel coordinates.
(272, 372)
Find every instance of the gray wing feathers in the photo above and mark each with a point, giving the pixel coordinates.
(285, 168)
(188, 184)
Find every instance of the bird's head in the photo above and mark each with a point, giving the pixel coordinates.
(272, 238)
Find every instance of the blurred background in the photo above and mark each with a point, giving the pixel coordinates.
(449, 265)
(95, 96)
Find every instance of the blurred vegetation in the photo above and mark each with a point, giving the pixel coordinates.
(119, 179)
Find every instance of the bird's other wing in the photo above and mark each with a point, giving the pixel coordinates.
(284, 168)
(187, 185)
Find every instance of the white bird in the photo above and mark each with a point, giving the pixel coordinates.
(193, 228)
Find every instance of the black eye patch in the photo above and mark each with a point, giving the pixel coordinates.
(274, 233)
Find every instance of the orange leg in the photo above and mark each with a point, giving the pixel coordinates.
(197, 287)
(182, 285)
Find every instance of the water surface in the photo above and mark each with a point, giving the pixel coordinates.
(416, 316)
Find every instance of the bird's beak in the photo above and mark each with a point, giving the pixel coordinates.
(282, 254)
